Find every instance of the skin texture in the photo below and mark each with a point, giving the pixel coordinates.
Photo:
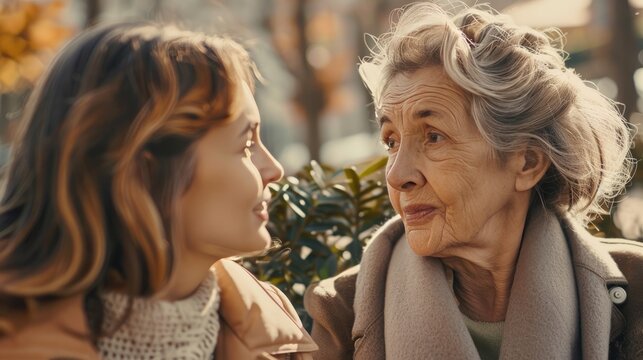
(221, 209)
(475, 205)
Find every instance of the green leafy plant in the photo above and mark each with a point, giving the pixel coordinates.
(321, 219)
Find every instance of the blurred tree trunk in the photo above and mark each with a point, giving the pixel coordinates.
(92, 11)
(623, 53)
(621, 56)
(310, 93)
(369, 15)
(157, 7)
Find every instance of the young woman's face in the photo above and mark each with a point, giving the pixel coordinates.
(224, 210)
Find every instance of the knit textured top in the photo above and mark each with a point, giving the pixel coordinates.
(157, 329)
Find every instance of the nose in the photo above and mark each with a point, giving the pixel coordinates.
(269, 168)
(403, 173)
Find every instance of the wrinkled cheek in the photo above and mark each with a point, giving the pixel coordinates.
(452, 190)
(394, 196)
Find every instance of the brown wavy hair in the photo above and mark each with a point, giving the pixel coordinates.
(104, 152)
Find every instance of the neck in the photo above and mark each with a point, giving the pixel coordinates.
(483, 293)
(189, 272)
(483, 273)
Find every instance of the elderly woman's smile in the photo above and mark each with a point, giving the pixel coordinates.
(444, 179)
(418, 213)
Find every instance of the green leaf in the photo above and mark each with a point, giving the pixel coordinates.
(374, 167)
(297, 210)
(317, 174)
(317, 228)
(304, 196)
(331, 265)
(315, 245)
(374, 197)
(355, 248)
(327, 267)
(369, 224)
(330, 208)
(370, 189)
(342, 190)
(335, 226)
(353, 179)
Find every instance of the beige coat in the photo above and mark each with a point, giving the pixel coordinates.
(384, 308)
(257, 322)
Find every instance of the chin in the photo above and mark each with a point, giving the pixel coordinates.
(422, 243)
(263, 240)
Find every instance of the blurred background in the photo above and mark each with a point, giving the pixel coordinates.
(313, 104)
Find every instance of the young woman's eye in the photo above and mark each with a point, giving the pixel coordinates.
(249, 146)
(434, 137)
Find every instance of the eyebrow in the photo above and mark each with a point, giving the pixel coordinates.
(424, 113)
(382, 120)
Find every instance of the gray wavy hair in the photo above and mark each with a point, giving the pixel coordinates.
(521, 95)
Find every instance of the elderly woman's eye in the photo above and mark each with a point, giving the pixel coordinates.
(434, 137)
(389, 143)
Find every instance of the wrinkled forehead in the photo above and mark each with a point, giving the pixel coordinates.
(427, 85)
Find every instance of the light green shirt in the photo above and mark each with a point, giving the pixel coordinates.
(487, 336)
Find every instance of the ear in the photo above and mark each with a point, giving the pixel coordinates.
(531, 167)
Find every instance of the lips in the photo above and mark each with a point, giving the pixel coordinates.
(261, 206)
(418, 214)
(261, 210)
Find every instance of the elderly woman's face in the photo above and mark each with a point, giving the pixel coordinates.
(441, 174)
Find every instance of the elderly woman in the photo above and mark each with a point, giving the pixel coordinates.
(498, 155)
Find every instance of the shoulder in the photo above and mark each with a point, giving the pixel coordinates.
(628, 255)
(236, 282)
(256, 316)
(330, 304)
(330, 293)
(623, 246)
(59, 331)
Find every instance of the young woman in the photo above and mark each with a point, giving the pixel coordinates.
(138, 167)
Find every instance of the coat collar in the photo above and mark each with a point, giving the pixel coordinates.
(588, 253)
(256, 318)
(593, 271)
